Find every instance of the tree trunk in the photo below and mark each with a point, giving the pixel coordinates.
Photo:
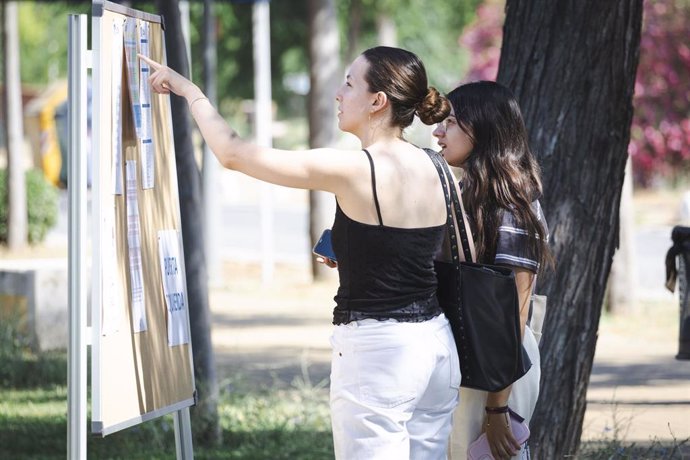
(622, 288)
(211, 167)
(572, 65)
(17, 215)
(324, 70)
(205, 415)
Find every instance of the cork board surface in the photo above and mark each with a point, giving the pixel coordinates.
(137, 375)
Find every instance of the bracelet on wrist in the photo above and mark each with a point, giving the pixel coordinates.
(497, 410)
(191, 104)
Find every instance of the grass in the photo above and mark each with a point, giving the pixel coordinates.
(617, 449)
(256, 424)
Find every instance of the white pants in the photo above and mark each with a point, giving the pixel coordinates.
(469, 417)
(394, 386)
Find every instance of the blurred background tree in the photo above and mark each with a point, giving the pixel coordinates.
(430, 31)
(43, 39)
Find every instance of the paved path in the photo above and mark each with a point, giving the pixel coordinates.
(638, 390)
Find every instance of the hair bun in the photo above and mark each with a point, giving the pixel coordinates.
(434, 108)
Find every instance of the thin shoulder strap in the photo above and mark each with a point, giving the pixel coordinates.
(373, 186)
(455, 219)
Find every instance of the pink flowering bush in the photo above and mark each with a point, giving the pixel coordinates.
(660, 132)
(483, 38)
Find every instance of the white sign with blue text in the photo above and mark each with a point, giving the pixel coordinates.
(169, 248)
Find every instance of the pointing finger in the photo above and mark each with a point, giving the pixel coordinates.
(150, 62)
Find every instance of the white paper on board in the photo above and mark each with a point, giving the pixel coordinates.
(116, 80)
(136, 273)
(133, 71)
(169, 245)
(146, 139)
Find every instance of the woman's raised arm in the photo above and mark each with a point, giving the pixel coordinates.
(319, 169)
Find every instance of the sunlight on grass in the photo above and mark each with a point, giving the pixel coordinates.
(257, 423)
(34, 403)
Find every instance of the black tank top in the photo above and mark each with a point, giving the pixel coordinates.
(385, 272)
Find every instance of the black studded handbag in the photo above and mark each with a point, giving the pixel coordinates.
(481, 303)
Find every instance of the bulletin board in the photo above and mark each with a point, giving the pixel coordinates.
(141, 347)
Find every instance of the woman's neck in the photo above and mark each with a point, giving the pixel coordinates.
(378, 134)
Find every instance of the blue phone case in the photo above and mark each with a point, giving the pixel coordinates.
(323, 247)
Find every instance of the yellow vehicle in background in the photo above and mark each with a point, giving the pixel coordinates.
(41, 130)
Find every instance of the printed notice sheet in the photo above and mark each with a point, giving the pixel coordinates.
(173, 286)
(133, 71)
(116, 78)
(136, 274)
(146, 138)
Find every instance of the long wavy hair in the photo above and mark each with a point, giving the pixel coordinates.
(501, 174)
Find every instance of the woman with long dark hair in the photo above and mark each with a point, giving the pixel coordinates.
(485, 136)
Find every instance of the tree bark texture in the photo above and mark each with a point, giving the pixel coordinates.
(205, 421)
(324, 73)
(572, 65)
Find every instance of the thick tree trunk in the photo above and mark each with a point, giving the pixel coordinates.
(205, 414)
(324, 70)
(572, 65)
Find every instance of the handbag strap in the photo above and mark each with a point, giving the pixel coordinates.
(453, 208)
(463, 226)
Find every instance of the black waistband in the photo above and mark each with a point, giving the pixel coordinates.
(413, 312)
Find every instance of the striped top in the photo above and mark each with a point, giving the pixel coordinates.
(512, 247)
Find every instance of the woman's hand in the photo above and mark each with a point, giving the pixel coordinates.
(164, 80)
(327, 262)
(501, 440)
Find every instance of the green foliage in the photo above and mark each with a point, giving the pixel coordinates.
(41, 203)
(43, 39)
(258, 423)
(19, 366)
(235, 69)
(431, 32)
(429, 29)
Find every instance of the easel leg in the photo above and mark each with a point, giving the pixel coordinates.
(183, 435)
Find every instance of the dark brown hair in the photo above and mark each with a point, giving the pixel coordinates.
(501, 174)
(402, 76)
